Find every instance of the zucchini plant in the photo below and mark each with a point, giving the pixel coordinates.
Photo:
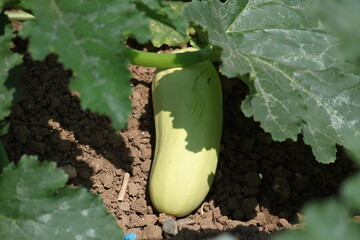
(299, 84)
(297, 72)
(187, 87)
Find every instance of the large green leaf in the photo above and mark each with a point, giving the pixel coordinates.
(325, 220)
(9, 3)
(299, 85)
(8, 61)
(88, 37)
(350, 192)
(164, 13)
(35, 205)
(353, 148)
(342, 18)
(162, 33)
(4, 160)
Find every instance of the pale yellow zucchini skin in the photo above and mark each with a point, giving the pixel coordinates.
(187, 106)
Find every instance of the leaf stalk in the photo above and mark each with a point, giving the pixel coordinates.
(168, 60)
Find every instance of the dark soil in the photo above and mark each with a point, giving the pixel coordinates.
(259, 188)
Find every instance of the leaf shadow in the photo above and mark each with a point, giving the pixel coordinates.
(261, 180)
(49, 122)
(238, 232)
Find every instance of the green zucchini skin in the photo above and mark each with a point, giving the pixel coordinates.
(187, 106)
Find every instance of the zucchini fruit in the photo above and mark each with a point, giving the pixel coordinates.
(187, 103)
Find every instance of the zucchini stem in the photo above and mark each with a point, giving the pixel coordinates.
(146, 59)
(168, 60)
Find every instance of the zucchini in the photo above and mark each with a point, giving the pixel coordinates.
(187, 103)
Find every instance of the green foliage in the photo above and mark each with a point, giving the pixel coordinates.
(353, 147)
(9, 60)
(3, 157)
(163, 34)
(165, 13)
(328, 220)
(301, 87)
(341, 18)
(88, 36)
(9, 3)
(35, 205)
(293, 50)
(297, 74)
(350, 192)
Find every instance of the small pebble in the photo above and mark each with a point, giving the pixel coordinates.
(124, 206)
(170, 226)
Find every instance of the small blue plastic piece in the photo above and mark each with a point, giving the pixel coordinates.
(130, 236)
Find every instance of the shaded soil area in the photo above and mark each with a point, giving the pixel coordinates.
(259, 188)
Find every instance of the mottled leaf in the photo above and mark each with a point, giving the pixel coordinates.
(4, 160)
(9, 3)
(165, 13)
(328, 220)
(353, 147)
(350, 192)
(163, 34)
(88, 37)
(300, 86)
(35, 205)
(8, 61)
(342, 18)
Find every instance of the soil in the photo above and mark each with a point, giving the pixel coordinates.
(259, 188)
